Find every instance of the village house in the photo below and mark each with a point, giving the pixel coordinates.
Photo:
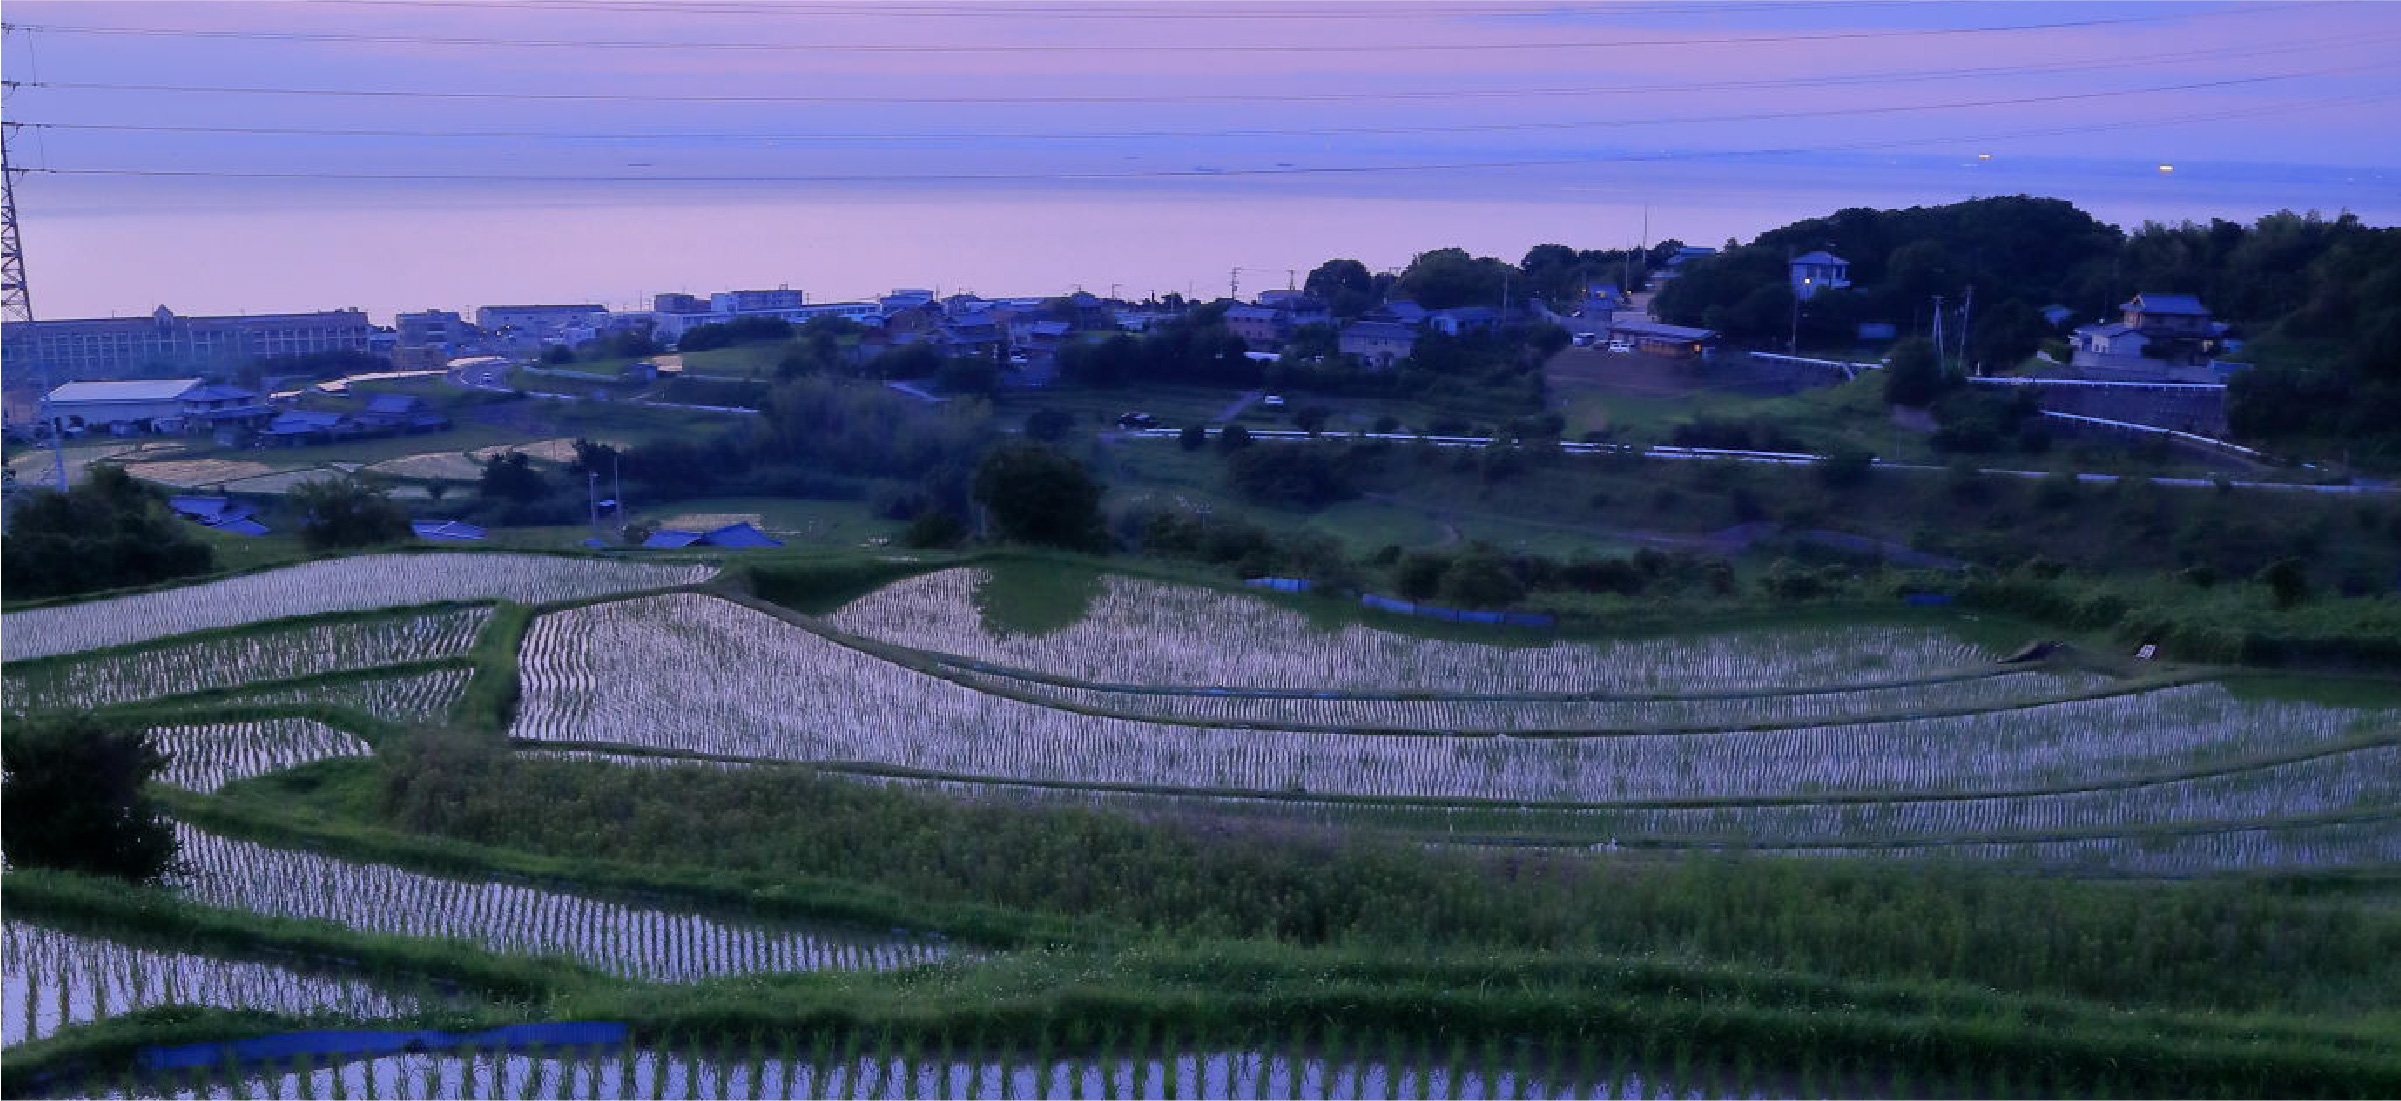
(1818, 271)
(1377, 344)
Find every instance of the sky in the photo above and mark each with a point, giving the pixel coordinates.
(405, 154)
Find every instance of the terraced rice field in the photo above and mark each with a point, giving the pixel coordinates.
(755, 686)
(53, 979)
(400, 698)
(1150, 633)
(280, 654)
(335, 585)
(632, 941)
(205, 758)
(643, 1073)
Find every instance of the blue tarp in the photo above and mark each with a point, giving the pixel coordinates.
(671, 539)
(350, 1044)
(740, 535)
(454, 530)
(1430, 611)
(1927, 598)
(1280, 584)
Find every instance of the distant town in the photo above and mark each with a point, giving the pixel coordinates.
(173, 374)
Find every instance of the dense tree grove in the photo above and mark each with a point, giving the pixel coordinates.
(73, 798)
(342, 512)
(1037, 495)
(110, 532)
(2316, 300)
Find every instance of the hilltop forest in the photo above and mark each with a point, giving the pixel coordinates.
(2316, 301)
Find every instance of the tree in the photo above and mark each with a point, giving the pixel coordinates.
(1193, 437)
(1037, 495)
(108, 533)
(1344, 285)
(74, 798)
(558, 354)
(2287, 579)
(2005, 336)
(1479, 579)
(934, 529)
(1449, 277)
(973, 375)
(1311, 418)
(510, 476)
(1232, 438)
(1299, 475)
(1913, 376)
(339, 512)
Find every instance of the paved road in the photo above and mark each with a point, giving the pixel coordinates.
(1785, 458)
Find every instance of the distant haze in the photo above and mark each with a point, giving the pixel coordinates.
(1136, 172)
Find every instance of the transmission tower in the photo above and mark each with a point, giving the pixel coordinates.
(16, 298)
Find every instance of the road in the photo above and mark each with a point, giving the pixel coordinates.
(1782, 458)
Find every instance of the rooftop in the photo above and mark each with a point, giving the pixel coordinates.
(139, 389)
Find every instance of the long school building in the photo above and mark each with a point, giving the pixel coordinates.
(165, 343)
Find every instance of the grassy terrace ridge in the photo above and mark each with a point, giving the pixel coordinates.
(918, 661)
(2003, 837)
(313, 807)
(1060, 680)
(1433, 802)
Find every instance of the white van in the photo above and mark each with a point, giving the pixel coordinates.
(1620, 344)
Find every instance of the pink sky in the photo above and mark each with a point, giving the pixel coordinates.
(102, 243)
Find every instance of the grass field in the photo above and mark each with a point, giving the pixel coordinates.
(1027, 826)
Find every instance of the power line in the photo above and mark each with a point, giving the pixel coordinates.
(1206, 173)
(1954, 73)
(1112, 48)
(1162, 11)
(1833, 112)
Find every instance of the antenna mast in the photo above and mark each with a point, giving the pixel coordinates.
(16, 296)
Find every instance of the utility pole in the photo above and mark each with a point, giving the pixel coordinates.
(1234, 285)
(617, 488)
(592, 502)
(1964, 309)
(1792, 345)
(1938, 344)
(16, 294)
(1292, 279)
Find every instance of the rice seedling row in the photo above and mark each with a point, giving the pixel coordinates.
(208, 757)
(280, 654)
(635, 942)
(1377, 1070)
(749, 685)
(1147, 632)
(334, 585)
(400, 698)
(2014, 690)
(54, 979)
(2360, 780)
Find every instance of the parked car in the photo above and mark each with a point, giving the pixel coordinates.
(1273, 401)
(1137, 420)
(1621, 344)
